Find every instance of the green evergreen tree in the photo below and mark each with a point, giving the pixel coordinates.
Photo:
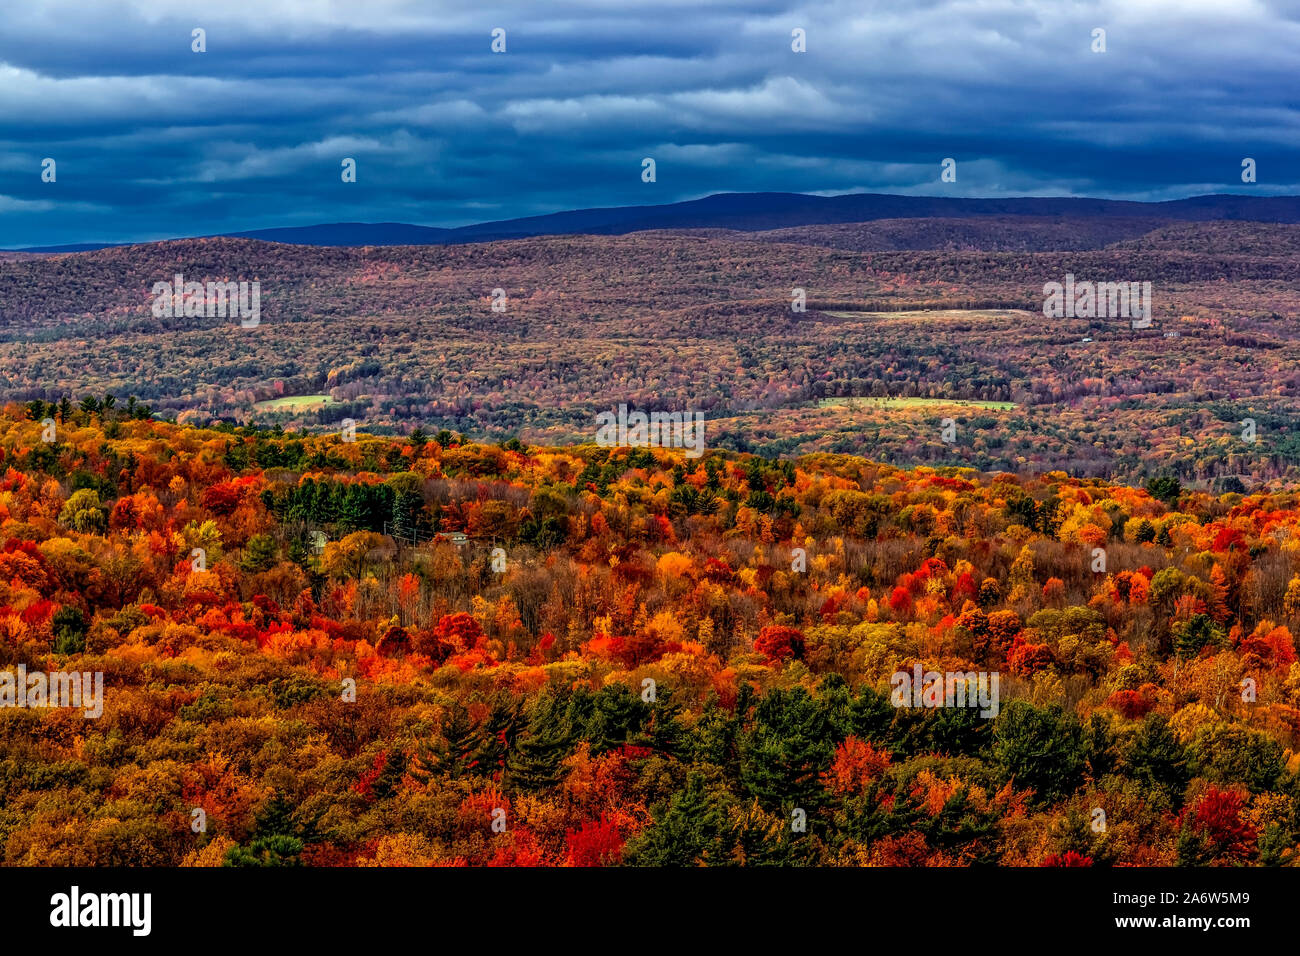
(497, 736)
(390, 776)
(276, 839)
(1230, 754)
(266, 851)
(1165, 488)
(1039, 749)
(616, 716)
(275, 818)
(770, 839)
(452, 752)
(535, 762)
(1099, 744)
(1157, 761)
(689, 831)
(786, 749)
(260, 554)
(69, 627)
(351, 510)
(1197, 632)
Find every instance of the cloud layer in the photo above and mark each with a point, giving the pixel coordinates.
(152, 140)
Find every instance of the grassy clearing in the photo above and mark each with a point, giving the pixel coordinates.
(293, 403)
(933, 313)
(865, 402)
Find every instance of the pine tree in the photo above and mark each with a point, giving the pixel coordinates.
(352, 510)
(497, 736)
(451, 754)
(1165, 488)
(616, 715)
(390, 776)
(407, 514)
(785, 751)
(260, 555)
(266, 851)
(1042, 749)
(275, 818)
(690, 830)
(535, 762)
(769, 839)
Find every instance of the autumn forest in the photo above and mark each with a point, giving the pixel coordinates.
(434, 649)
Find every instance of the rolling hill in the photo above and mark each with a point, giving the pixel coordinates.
(754, 212)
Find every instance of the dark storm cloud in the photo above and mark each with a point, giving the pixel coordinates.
(152, 140)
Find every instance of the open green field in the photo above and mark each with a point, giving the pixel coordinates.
(913, 313)
(293, 403)
(867, 402)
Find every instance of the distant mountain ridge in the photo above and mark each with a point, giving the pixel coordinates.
(757, 212)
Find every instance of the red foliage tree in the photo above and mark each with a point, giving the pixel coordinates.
(1025, 659)
(1216, 818)
(1069, 858)
(778, 643)
(595, 843)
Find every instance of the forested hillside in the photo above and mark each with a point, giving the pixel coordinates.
(917, 314)
(634, 657)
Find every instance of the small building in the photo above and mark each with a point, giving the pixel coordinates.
(458, 538)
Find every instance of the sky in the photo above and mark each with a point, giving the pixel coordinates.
(152, 140)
